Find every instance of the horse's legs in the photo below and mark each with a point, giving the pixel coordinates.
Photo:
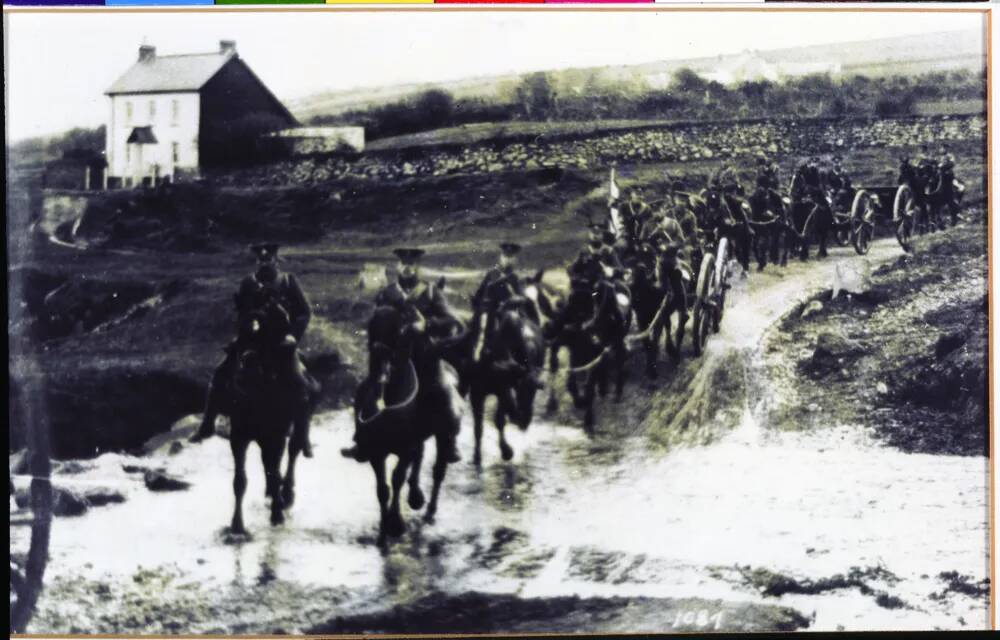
(504, 406)
(270, 456)
(682, 318)
(824, 232)
(394, 520)
(288, 484)
(650, 346)
(239, 449)
(760, 249)
(440, 467)
(415, 498)
(553, 403)
(620, 355)
(382, 494)
(588, 399)
(573, 387)
(673, 348)
(477, 399)
(601, 372)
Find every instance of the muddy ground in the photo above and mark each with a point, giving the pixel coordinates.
(744, 490)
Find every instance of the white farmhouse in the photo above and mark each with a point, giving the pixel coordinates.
(171, 116)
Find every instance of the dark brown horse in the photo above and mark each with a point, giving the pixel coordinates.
(410, 395)
(648, 298)
(810, 213)
(263, 404)
(597, 343)
(509, 369)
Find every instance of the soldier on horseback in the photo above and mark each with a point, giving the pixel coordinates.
(950, 190)
(499, 285)
(411, 295)
(279, 299)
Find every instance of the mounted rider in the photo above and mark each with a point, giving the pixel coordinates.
(410, 294)
(728, 217)
(500, 285)
(951, 190)
(272, 294)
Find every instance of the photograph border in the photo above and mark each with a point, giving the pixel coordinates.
(651, 7)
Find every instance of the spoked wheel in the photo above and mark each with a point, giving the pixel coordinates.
(721, 283)
(904, 214)
(862, 221)
(702, 317)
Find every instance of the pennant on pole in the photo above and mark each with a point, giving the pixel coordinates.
(616, 224)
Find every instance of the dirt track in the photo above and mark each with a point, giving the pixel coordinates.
(656, 525)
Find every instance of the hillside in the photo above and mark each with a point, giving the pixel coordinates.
(900, 55)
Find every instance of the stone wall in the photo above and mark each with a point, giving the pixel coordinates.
(668, 144)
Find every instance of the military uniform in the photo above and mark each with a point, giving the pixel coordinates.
(287, 313)
(499, 285)
(406, 294)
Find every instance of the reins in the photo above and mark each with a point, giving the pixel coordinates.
(392, 407)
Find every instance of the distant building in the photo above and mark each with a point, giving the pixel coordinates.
(311, 140)
(750, 66)
(171, 116)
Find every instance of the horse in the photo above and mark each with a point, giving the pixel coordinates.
(550, 305)
(648, 298)
(768, 218)
(729, 217)
(410, 395)
(509, 370)
(810, 216)
(263, 406)
(596, 345)
(943, 194)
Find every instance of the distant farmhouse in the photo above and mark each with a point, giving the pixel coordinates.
(172, 116)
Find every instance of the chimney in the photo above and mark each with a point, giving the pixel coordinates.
(146, 53)
(227, 47)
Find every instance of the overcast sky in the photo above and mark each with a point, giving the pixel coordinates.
(57, 66)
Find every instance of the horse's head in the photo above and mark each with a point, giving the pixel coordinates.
(522, 341)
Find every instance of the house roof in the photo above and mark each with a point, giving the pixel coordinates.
(170, 73)
(141, 135)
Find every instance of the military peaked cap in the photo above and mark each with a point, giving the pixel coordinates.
(265, 250)
(407, 255)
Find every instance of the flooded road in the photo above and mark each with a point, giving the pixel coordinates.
(569, 515)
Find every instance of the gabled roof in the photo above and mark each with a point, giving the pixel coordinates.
(170, 73)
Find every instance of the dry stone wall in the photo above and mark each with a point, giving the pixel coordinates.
(669, 144)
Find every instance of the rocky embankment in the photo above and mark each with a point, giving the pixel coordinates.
(681, 143)
(906, 354)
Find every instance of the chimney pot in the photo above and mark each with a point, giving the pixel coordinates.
(227, 46)
(146, 52)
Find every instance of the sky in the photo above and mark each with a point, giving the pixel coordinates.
(57, 66)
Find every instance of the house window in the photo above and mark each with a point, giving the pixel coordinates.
(175, 111)
(152, 109)
(128, 112)
(175, 151)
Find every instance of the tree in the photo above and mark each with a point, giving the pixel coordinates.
(688, 81)
(537, 97)
(435, 107)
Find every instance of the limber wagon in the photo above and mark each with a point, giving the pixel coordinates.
(895, 205)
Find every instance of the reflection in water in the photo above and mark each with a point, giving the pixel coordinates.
(269, 562)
